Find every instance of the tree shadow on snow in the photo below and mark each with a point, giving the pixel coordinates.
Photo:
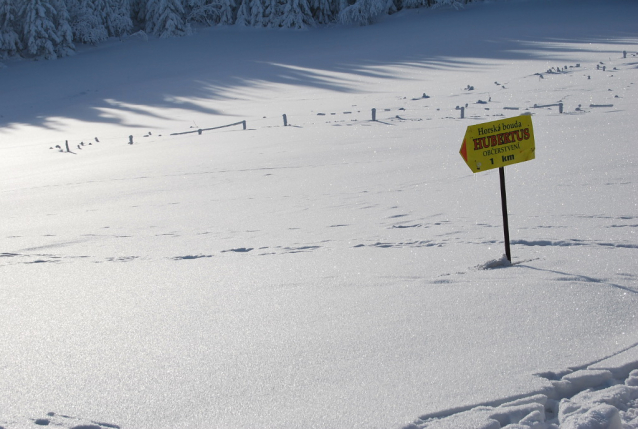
(111, 82)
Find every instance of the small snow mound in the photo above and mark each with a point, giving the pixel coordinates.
(140, 35)
(578, 381)
(601, 416)
(495, 263)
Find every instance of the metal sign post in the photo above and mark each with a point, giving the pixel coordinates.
(497, 144)
(506, 226)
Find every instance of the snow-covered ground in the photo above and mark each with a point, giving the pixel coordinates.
(336, 272)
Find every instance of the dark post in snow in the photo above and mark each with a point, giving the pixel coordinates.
(199, 131)
(285, 120)
(374, 114)
(244, 123)
(462, 112)
(560, 107)
(67, 146)
(506, 228)
(624, 54)
(130, 139)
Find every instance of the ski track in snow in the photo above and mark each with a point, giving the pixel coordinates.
(584, 398)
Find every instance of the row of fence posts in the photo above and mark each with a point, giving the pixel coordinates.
(462, 109)
(374, 118)
(374, 115)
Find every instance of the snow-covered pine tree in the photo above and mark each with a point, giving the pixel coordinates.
(165, 18)
(363, 12)
(297, 14)
(456, 4)
(226, 11)
(9, 39)
(86, 22)
(138, 11)
(65, 45)
(272, 13)
(341, 6)
(203, 11)
(117, 17)
(414, 4)
(243, 14)
(38, 28)
(393, 6)
(324, 11)
(257, 13)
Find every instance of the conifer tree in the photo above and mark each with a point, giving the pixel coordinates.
(243, 14)
(138, 10)
(324, 10)
(413, 4)
(456, 4)
(87, 24)
(65, 45)
(9, 39)
(297, 14)
(203, 11)
(226, 12)
(257, 13)
(118, 20)
(165, 18)
(38, 29)
(272, 13)
(363, 12)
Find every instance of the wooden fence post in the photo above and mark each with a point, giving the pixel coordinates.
(374, 114)
(462, 112)
(244, 123)
(130, 139)
(67, 146)
(285, 120)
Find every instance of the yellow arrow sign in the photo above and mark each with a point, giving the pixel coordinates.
(498, 143)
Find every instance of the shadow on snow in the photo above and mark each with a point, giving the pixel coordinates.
(106, 83)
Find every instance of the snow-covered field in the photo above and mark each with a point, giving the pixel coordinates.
(336, 272)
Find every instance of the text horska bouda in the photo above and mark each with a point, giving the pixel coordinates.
(498, 143)
(494, 137)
